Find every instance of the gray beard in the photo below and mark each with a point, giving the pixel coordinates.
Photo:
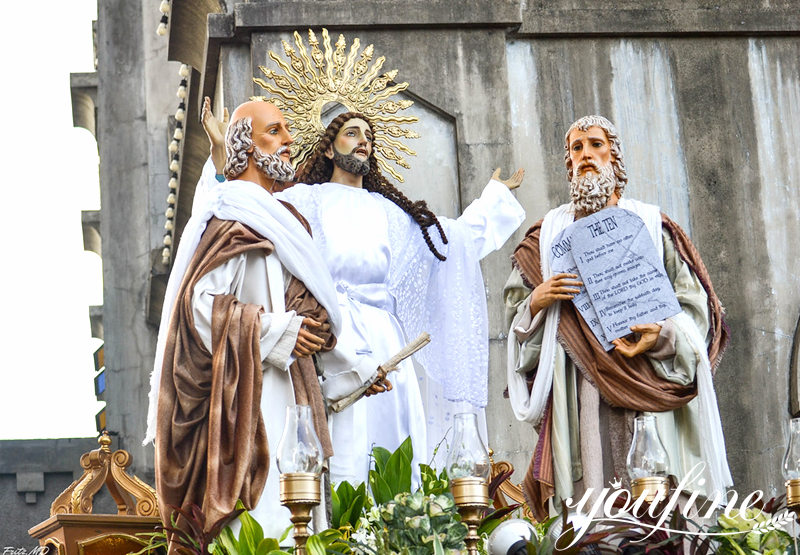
(590, 192)
(350, 164)
(272, 165)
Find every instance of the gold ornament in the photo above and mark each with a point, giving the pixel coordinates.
(310, 80)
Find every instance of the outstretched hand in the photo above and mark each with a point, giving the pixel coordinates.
(215, 130)
(308, 342)
(512, 182)
(648, 336)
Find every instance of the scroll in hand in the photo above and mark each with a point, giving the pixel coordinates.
(380, 380)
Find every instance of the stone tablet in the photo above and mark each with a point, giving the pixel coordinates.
(562, 262)
(622, 271)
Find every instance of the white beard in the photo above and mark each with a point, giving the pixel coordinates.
(272, 165)
(590, 192)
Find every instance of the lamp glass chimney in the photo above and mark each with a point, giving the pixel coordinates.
(299, 449)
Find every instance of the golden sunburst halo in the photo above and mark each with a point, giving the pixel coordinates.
(308, 79)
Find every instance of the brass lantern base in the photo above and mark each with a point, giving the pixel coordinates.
(793, 495)
(300, 492)
(471, 496)
(650, 487)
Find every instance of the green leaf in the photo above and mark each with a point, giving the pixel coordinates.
(753, 540)
(286, 533)
(336, 509)
(354, 512)
(359, 501)
(398, 472)
(381, 456)
(228, 541)
(344, 519)
(267, 545)
(438, 549)
(380, 489)
(407, 449)
(329, 536)
(314, 546)
(251, 533)
(346, 493)
(455, 535)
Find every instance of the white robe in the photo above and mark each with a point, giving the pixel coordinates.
(390, 288)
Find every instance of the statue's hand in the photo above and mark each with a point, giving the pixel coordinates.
(215, 130)
(648, 336)
(560, 287)
(380, 385)
(308, 342)
(512, 182)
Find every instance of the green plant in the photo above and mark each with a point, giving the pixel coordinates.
(751, 533)
(392, 472)
(188, 531)
(347, 505)
(251, 540)
(413, 524)
(328, 542)
(433, 484)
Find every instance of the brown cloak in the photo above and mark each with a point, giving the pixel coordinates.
(629, 383)
(211, 442)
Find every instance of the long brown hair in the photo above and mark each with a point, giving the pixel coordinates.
(319, 169)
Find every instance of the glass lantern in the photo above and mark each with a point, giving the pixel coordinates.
(791, 465)
(468, 468)
(299, 449)
(300, 463)
(468, 455)
(647, 462)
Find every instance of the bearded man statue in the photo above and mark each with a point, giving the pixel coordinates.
(582, 399)
(248, 303)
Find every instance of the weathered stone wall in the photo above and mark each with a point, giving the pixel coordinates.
(136, 97)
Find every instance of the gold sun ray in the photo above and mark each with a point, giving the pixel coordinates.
(309, 78)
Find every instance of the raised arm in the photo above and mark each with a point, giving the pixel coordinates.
(215, 130)
(491, 219)
(512, 182)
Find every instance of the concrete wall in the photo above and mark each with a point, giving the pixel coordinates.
(32, 474)
(136, 96)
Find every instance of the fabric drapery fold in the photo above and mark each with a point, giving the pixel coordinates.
(305, 382)
(539, 482)
(211, 442)
(211, 449)
(250, 204)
